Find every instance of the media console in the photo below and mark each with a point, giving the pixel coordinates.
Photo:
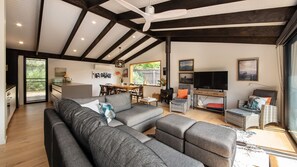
(210, 93)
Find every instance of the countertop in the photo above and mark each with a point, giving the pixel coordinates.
(8, 87)
(60, 84)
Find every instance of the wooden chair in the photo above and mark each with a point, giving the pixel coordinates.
(103, 90)
(138, 93)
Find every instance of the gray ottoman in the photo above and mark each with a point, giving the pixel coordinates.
(171, 129)
(213, 145)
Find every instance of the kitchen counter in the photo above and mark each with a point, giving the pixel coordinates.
(67, 84)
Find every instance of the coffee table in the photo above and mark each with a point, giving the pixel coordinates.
(148, 100)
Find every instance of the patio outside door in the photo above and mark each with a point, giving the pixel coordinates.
(35, 80)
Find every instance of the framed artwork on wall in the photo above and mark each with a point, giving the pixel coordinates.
(186, 65)
(248, 69)
(186, 78)
(125, 73)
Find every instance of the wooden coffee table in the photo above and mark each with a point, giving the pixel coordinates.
(149, 100)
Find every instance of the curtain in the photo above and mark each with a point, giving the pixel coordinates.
(280, 66)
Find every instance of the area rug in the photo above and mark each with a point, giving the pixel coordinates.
(247, 154)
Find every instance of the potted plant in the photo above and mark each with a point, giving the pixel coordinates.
(163, 83)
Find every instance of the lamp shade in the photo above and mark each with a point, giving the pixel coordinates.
(119, 63)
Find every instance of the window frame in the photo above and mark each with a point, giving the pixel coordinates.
(147, 62)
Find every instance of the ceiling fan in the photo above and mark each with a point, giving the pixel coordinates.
(150, 15)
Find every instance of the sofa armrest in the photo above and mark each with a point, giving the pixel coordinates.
(241, 103)
(268, 115)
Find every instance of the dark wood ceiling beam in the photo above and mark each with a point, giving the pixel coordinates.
(263, 31)
(92, 3)
(142, 40)
(74, 30)
(255, 16)
(289, 29)
(143, 50)
(98, 39)
(39, 26)
(78, 3)
(118, 43)
(247, 40)
(54, 56)
(170, 5)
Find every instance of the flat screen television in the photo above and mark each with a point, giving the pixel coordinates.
(211, 80)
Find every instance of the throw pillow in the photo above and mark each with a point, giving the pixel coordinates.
(255, 102)
(115, 148)
(182, 93)
(107, 110)
(94, 105)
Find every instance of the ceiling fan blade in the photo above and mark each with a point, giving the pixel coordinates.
(146, 25)
(170, 14)
(131, 7)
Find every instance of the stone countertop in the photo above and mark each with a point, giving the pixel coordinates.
(8, 87)
(60, 84)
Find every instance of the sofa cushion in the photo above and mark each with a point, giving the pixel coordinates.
(115, 148)
(84, 122)
(65, 109)
(171, 157)
(138, 113)
(87, 100)
(139, 136)
(119, 102)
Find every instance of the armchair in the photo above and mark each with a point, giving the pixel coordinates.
(246, 118)
(182, 105)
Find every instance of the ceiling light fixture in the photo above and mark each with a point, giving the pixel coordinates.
(134, 36)
(21, 42)
(74, 50)
(120, 63)
(108, 55)
(94, 22)
(19, 24)
(82, 39)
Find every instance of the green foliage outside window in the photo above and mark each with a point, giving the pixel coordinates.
(146, 73)
(35, 75)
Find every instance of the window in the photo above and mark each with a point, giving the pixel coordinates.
(147, 73)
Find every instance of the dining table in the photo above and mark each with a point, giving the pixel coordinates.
(125, 87)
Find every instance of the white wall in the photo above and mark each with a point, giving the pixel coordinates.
(21, 79)
(157, 53)
(224, 56)
(81, 72)
(2, 73)
(218, 56)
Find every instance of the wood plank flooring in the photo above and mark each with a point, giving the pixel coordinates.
(25, 147)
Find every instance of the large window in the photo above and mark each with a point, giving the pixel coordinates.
(147, 73)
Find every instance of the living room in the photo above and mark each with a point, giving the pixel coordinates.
(88, 42)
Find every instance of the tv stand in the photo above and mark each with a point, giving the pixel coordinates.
(211, 93)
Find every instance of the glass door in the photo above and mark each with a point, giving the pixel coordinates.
(291, 106)
(35, 80)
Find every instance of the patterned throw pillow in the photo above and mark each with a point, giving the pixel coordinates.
(255, 102)
(107, 110)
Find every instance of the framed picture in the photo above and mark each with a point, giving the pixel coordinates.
(248, 69)
(125, 73)
(186, 78)
(60, 72)
(186, 65)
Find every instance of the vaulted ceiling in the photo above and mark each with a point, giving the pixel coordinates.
(104, 31)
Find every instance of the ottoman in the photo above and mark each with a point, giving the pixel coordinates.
(213, 145)
(170, 130)
(242, 118)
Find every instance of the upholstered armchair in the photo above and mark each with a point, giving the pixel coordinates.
(182, 105)
(268, 113)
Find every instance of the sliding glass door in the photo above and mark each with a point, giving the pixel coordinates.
(35, 80)
(291, 91)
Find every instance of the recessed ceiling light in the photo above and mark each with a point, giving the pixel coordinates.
(19, 24)
(133, 36)
(108, 55)
(94, 22)
(21, 42)
(74, 50)
(82, 39)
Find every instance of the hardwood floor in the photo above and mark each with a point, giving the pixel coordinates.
(25, 146)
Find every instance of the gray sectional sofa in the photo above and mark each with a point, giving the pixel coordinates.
(76, 136)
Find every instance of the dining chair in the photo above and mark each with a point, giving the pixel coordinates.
(103, 90)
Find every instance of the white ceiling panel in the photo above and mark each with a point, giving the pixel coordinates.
(58, 21)
(20, 11)
(114, 7)
(126, 44)
(108, 40)
(88, 32)
(234, 7)
(139, 48)
(224, 26)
